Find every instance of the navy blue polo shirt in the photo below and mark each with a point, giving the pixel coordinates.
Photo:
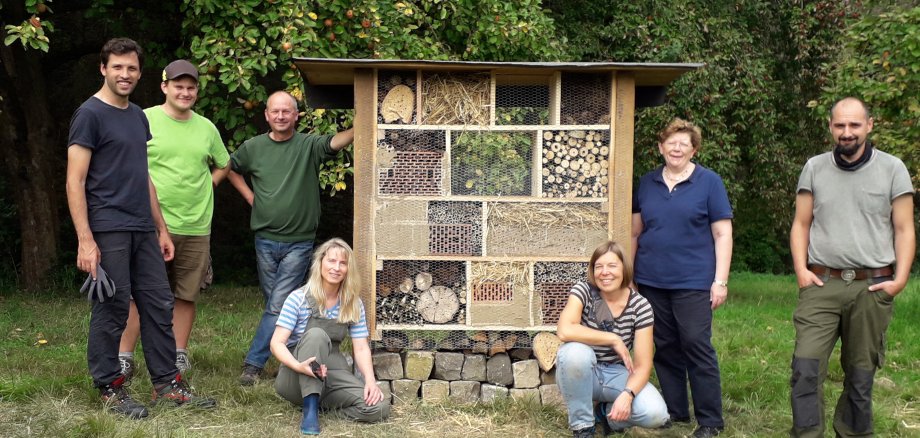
(676, 247)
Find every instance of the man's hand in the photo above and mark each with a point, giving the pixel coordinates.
(88, 257)
(890, 287)
(807, 278)
(166, 246)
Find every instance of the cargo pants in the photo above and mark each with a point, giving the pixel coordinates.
(341, 390)
(849, 311)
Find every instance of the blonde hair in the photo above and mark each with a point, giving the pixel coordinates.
(349, 288)
(677, 125)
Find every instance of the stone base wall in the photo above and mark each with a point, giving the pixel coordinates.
(464, 377)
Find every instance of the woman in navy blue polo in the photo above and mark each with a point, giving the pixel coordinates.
(682, 243)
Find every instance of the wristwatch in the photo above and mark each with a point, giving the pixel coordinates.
(723, 283)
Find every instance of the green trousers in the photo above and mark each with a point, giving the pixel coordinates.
(342, 390)
(859, 318)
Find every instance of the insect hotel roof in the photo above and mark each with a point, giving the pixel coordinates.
(482, 187)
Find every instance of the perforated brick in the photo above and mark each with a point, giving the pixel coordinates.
(450, 239)
(493, 292)
(553, 297)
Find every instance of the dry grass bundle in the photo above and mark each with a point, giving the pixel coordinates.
(551, 215)
(454, 98)
(514, 272)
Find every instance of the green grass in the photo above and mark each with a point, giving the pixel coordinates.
(45, 389)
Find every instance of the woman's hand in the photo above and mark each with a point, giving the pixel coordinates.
(622, 407)
(717, 295)
(305, 368)
(372, 394)
(619, 347)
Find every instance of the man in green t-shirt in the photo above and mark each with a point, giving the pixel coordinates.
(186, 159)
(283, 166)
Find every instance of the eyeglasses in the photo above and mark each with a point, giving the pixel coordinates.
(676, 144)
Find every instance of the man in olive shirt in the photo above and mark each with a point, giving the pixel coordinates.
(283, 166)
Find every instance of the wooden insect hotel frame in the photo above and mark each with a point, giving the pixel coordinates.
(481, 187)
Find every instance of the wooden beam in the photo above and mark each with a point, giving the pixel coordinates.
(620, 175)
(365, 147)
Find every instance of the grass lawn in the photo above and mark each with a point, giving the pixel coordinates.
(45, 389)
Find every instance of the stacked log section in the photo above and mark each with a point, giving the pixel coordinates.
(575, 164)
(421, 292)
(387, 81)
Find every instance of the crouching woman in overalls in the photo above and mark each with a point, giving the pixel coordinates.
(312, 324)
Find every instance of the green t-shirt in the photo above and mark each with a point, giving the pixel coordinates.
(180, 157)
(285, 181)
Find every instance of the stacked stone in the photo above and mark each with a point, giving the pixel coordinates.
(464, 378)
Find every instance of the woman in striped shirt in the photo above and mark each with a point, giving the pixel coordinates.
(603, 320)
(313, 322)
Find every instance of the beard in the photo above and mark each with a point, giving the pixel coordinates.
(847, 150)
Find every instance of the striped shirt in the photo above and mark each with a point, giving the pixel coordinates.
(637, 315)
(296, 313)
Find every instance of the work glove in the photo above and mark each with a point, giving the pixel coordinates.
(101, 287)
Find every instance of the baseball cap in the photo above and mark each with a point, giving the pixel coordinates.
(178, 68)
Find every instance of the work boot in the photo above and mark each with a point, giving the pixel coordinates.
(182, 362)
(250, 375)
(116, 398)
(127, 368)
(310, 423)
(178, 393)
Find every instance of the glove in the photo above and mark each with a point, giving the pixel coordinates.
(101, 287)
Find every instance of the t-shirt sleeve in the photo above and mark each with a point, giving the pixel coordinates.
(217, 151)
(719, 206)
(636, 208)
(322, 147)
(580, 291)
(644, 315)
(805, 183)
(83, 129)
(239, 161)
(291, 309)
(900, 182)
(146, 122)
(359, 330)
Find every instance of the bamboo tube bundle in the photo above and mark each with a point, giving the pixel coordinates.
(575, 164)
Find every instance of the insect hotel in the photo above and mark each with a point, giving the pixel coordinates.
(482, 187)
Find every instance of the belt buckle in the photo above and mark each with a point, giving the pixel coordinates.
(848, 274)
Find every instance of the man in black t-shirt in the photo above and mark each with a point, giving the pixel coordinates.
(119, 227)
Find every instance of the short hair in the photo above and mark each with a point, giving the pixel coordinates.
(616, 249)
(121, 46)
(293, 99)
(677, 125)
(865, 108)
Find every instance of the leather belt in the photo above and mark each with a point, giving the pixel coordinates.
(852, 274)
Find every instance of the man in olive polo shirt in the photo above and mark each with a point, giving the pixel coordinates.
(283, 166)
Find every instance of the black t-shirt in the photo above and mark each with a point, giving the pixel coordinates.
(117, 195)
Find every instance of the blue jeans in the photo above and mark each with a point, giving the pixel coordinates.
(582, 380)
(282, 267)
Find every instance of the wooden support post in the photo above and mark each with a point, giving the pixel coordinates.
(621, 158)
(365, 147)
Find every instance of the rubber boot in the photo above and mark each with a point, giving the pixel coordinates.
(310, 423)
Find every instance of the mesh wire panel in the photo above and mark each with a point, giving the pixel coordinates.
(421, 292)
(451, 218)
(575, 163)
(585, 99)
(535, 229)
(491, 163)
(397, 107)
(410, 162)
(552, 283)
(521, 104)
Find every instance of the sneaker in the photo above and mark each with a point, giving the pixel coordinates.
(706, 432)
(178, 393)
(250, 375)
(116, 398)
(587, 432)
(182, 362)
(127, 368)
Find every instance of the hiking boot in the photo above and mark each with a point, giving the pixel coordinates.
(250, 375)
(182, 362)
(178, 393)
(127, 368)
(116, 398)
(706, 432)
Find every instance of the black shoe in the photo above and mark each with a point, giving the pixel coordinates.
(250, 375)
(587, 432)
(116, 398)
(671, 421)
(178, 393)
(706, 432)
(600, 416)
